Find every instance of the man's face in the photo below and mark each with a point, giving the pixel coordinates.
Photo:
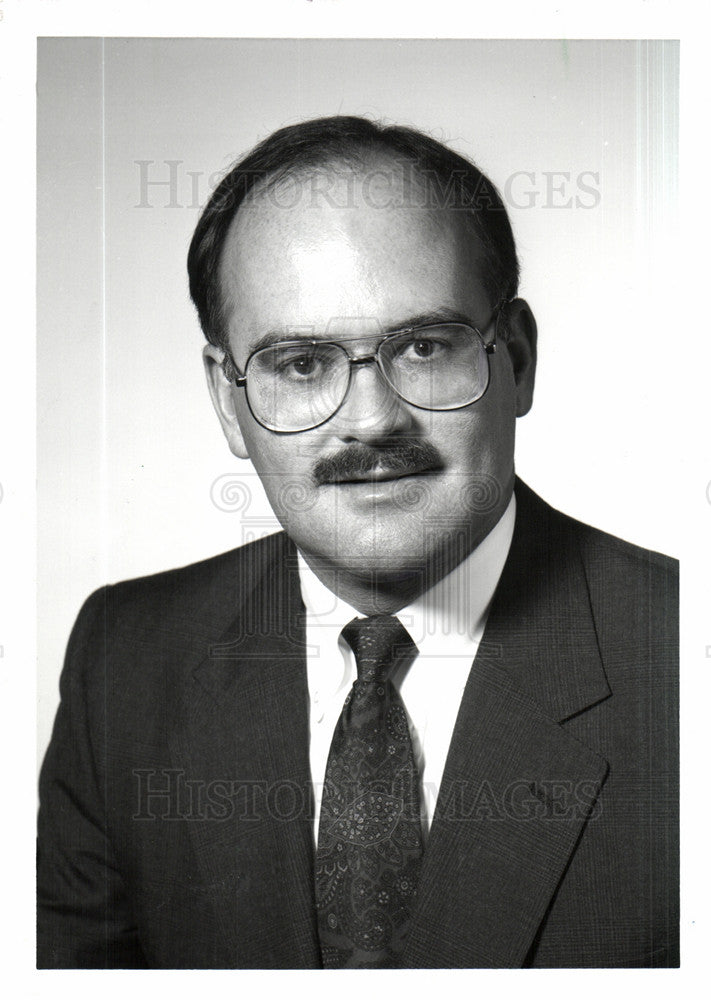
(346, 260)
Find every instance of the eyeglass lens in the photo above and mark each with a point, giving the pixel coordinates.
(295, 386)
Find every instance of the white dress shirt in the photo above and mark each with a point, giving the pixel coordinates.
(446, 623)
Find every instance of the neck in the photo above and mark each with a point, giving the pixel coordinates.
(373, 592)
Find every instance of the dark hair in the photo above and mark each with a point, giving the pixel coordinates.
(450, 179)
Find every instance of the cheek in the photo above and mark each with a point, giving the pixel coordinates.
(268, 452)
(480, 434)
(478, 446)
(284, 466)
(494, 416)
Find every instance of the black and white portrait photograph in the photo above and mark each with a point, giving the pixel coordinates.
(368, 388)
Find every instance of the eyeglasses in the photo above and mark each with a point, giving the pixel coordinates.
(296, 385)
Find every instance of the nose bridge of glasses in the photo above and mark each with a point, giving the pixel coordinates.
(367, 359)
(372, 356)
(370, 401)
(377, 383)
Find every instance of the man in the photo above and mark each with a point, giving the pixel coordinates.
(433, 723)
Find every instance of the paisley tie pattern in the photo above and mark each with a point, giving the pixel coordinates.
(370, 840)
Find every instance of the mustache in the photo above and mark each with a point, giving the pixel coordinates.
(360, 461)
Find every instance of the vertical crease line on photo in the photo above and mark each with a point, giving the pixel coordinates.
(104, 461)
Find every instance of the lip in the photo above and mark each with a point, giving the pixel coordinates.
(387, 491)
(383, 475)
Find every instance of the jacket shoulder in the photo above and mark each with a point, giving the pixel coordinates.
(630, 588)
(135, 642)
(594, 544)
(172, 616)
(217, 583)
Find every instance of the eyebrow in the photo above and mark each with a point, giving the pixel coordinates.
(410, 322)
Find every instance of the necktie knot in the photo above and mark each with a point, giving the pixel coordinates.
(380, 643)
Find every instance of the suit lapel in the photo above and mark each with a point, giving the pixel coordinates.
(517, 789)
(244, 737)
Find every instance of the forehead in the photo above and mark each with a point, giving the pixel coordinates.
(345, 242)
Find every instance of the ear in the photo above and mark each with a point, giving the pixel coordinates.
(222, 394)
(520, 336)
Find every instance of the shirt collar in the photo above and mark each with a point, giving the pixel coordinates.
(449, 618)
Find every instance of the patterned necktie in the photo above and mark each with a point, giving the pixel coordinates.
(370, 839)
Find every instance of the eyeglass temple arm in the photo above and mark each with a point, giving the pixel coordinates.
(496, 316)
(231, 372)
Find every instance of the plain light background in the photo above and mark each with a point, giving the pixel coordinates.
(134, 475)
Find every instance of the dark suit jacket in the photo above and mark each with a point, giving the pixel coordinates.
(175, 824)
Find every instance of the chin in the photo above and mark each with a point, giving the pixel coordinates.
(394, 554)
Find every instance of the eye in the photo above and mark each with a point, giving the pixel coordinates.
(299, 364)
(423, 349)
(304, 365)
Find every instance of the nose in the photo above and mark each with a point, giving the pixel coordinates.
(371, 409)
